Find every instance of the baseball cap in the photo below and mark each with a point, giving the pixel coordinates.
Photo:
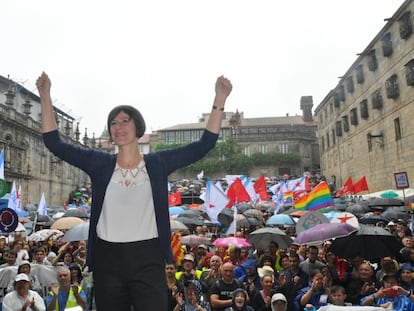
(202, 246)
(188, 257)
(278, 296)
(22, 277)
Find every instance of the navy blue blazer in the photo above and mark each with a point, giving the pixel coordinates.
(100, 165)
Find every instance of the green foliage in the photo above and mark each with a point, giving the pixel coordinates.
(227, 157)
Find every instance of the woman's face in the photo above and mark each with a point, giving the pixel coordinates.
(123, 130)
(239, 300)
(267, 282)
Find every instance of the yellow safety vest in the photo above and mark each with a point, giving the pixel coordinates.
(71, 299)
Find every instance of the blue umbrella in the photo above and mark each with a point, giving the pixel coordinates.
(175, 210)
(280, 220)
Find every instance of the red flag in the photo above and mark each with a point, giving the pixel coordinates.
(237, 193)
(360, 185)
(174, 199)
(260, 184)
(348, 187)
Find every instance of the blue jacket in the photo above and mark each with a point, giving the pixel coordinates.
(100, 165)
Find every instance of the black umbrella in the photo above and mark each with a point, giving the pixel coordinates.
(385, 202)
(370, 242)
(396, 212)
(372, 219)
(357, 209)
(262, 237)
(76, 212)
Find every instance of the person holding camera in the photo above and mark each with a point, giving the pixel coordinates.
(391, 293)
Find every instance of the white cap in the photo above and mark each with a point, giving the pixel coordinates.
(278, 296)
(22, 277)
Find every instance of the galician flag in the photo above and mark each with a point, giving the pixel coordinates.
(13, 199)
(42, 209)
(215, 200)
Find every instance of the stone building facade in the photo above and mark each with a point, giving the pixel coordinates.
(365, 123)
(285, 134)
(27, 161)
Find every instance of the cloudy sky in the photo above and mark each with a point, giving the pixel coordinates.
(163, 56)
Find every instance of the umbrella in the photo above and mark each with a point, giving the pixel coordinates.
(191, 221)
(226, 216)
(372, 219)
(175, 210)
(385, 202)
(76, 212)
(246, 222)
(190, 213)
(42, 220)
(242, 207)
(389, 194)
(370, 242)
(41, 235)
(323, 232)
(396, 212)
(357, 209)
(78, 232)
(262, 237)
(66, 223)
(280, 220)
(177, 225)
(253, 213)
(231, 241)
(193, 239)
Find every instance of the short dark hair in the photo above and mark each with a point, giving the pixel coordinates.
(133, 113)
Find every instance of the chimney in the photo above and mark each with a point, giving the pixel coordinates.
(306, 104)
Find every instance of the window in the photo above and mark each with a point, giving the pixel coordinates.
(328, 142)
(333, 137)
(372, 61)
(397, 128)
(341, 93)
(363, 106)
(354, 116)
(284, 148)
(350, 85)
(391, 86)
(360, 74)
(322, 143)
(386, 44)
(336, 100)
(338, 128)
(263, 148)
(377, 101)
(409, 72)
(345, 123)
(406, 28)
(246, 150)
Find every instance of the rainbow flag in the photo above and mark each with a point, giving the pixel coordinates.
(288, 197)
(319, 197)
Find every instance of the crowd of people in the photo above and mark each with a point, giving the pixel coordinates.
(302, 277)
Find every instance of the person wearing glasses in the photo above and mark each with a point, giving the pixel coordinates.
(129, 234)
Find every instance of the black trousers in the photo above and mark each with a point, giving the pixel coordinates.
(129, 275)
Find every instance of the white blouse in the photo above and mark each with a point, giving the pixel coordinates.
(128, 213)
